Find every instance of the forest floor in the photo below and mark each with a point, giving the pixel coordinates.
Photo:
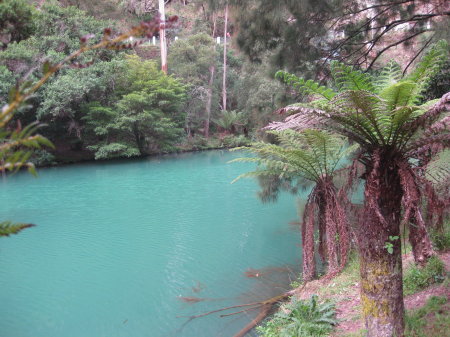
(344, 291)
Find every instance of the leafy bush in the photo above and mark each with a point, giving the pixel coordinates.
(42, 158)
(301, 318)
(417, 278)
(235, 141)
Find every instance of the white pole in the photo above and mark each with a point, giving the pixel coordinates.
(162, 36)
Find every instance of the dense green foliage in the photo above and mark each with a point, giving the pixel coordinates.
(417, 278)
(16, 21)
(301, 319)
(69, 102)
(144, 118)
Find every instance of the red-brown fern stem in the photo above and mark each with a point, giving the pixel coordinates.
(331, 227)
(309, 268)
(435, 207)
(411, 203)
(343, 226)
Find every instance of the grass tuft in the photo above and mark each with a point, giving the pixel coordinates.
(416, 278)
(441, 240)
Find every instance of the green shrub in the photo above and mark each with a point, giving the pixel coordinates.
(441, 241)
(417, 278)
(42, 158)
(301, 318)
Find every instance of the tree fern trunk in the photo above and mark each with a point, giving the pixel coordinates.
(309, 267)
(380, 251)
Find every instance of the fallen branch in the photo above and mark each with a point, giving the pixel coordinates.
(265, 306)
(262, 314)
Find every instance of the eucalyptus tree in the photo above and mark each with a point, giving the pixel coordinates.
(311, 155)
(384, 117)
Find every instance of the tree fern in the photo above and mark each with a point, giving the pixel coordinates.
(395, 135)
(313, 155)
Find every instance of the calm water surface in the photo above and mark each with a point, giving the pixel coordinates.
(117, 244)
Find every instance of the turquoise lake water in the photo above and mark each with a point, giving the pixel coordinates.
(117, 245)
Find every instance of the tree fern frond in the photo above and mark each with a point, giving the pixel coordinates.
(308, 87)
(347, 78)
(364, 114)
(438, 171)
(389, 75)
(8, 228)
(429, 65)
(400, 94)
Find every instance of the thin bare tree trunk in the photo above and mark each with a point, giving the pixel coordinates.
(212, 70)
(224, 84)
(162, 36)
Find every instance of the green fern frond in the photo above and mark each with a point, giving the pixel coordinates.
(389, 75)
(400, 94)
(429, 65)
(8, 228)
(438, 171)
(308, 87)
(347, 78)
(311, 155)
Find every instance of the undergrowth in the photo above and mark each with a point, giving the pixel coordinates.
(432, 320)
(301, 318)
(341, 284)
(416, 278)
(441, 240)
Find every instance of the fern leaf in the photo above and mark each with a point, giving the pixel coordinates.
(400, 94)
(8, 228)
(389, 75)
(347, 78)
(429, 65)
(308, 87)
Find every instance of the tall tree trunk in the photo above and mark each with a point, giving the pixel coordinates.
(212, 70)
(162, 36)
(380, 250)
(140, 140)
(224, 81)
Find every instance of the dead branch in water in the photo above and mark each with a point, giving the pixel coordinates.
(265, 307)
